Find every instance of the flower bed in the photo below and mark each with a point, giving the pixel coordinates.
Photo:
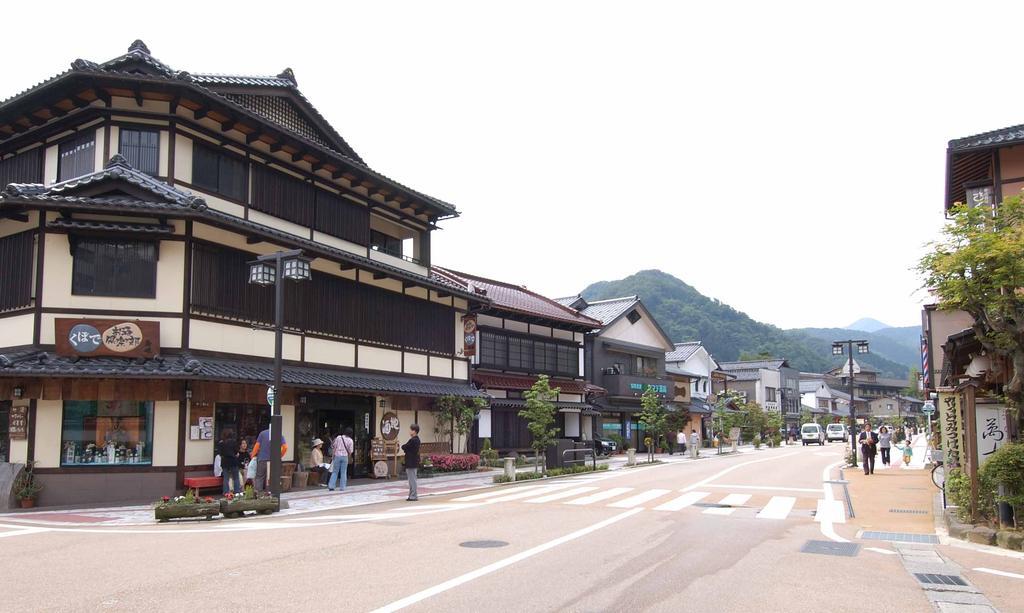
(185, 506)
(451, 463)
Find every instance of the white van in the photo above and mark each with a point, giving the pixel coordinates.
(835, 432)
(812, 433)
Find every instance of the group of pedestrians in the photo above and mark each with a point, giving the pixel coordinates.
(872, 443)
(333, 474)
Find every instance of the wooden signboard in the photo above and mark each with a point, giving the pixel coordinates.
(107, 337)
(18, 425)
(469, 335)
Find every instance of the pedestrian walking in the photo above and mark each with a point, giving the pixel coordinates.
(885, 444)
(343, 447)
(694, 443)
(868, 449)
(908, 452)
(317, 464)
(230, 462)
(681, 441)
(261, 455)
(412, 460)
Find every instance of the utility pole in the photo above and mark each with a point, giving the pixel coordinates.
(838, 347)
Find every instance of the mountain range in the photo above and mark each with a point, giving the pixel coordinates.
(685, 314)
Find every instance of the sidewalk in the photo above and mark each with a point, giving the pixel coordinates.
(313, 500)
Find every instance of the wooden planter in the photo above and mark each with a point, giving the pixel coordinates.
(238, 507)
(27, 503)
(165, 512)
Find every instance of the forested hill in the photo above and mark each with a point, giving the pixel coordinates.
(686, 314)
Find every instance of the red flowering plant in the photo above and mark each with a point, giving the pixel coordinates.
(189, 497)
(450, 463)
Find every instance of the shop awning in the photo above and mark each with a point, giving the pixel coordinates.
(563, 407)
(35, 362)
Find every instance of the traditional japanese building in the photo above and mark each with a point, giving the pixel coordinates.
(133, 198)
(523, 335)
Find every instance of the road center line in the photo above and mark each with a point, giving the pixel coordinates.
(1001, 573)
(500, 564)
(767, 487)
(726, 471)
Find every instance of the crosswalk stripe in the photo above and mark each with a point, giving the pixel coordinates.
(532, 488)
(777, 508)
(599, 496)
(524, 493)
(576, 491)
(732, 500)
(639, 499)
(682, 502)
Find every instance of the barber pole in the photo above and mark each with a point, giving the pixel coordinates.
(926, 379)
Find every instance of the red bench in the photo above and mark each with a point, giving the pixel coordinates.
(198, 483)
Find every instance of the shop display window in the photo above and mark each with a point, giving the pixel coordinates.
(107, 433)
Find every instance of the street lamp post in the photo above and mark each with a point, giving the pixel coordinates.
(272, 269)
(838, 347)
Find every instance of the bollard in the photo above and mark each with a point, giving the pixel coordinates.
(631, 457)
(510, 468)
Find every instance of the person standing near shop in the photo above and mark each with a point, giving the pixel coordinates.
(885, 444)
(681, 441)
(343, 448)
(412, 460)
(228, 451)
(868, 449)
(261, 454)
(694, 443)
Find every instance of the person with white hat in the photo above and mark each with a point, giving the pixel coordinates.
(316, 462)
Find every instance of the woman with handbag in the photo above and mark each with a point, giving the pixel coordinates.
(343, 449)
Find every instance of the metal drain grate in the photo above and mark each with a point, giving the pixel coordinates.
(830, 548)
(900, 537)
(483, 544)
(940, 579)
(909, 511)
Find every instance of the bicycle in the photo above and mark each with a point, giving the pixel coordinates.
(938, 473)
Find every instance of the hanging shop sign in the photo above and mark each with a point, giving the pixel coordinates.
(107, 337)
(17, 428)
(951, 425)
(992, 431)
(469, 335)
(389, 426)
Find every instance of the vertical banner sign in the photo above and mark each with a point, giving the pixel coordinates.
(949, 423)
(469, 335)
(926, 378)
(992, 432)
(18, 423)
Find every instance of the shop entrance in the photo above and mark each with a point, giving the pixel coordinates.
(246, 420)
(325, 416)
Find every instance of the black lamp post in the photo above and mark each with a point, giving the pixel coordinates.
(271, 269)
(838, 347)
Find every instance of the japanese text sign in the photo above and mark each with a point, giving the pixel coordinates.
(107, 337)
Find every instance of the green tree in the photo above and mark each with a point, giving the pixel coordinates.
(540, 417)
(977, 267)
(653, 417)
(455, 416)
(912, 389)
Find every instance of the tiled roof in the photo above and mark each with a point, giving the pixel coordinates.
(519, 299)
(810, 386)
(746, 375)
(772, 364)
(607, 311)
(496, 381)
(34, 362)
(683, 351)
(682, 373)
(62, 223)
(1002, 136)
(519, 403)
(139, 53)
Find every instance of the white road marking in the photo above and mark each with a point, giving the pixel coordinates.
(525, 493)
(21, 531)
(887, 552)
(816, 490)
(777, 508)
(576, 491)
(500, 564)
(682, 502)
(830, 511)
(492, 494)
(1001, 573)
(733, 500)
(639, 499)
(827, 529)
(599, 496)
(735, 467)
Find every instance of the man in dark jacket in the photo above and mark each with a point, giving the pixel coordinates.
(412, 459)
(868, 448)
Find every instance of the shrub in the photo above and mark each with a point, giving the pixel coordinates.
(574, 469)
(1004, 468)
(502, 478)
(958, 489)
(529, 475)
(450, 463)
(757, 441)
(488, 453)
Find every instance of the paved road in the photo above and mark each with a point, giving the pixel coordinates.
(718, 534)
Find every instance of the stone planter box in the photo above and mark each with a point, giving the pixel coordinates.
(165, 512)
(238, 508)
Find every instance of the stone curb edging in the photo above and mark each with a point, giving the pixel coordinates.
(982, 535)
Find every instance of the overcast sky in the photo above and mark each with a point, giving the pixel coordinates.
(786, 159)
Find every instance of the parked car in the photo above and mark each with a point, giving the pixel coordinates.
(604, 446)
(812, 433)
(835, 432)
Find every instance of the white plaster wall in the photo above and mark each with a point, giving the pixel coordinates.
(17, 330)
(642, 332)
(48, 435)
(99, 161)
(415, 363)
(323, 351)
(278, 224)
(196, 452)
(339, 243)
(572, 424)
(488, 320)
(539, 330)
(50, 165)
(391, 260)
(165, 433)
(516, 326)
(562, 334)
(440, 367)
(460, 370)
(288, 427)
(12, 226)
(485, 423)
(183, 158)
(376, 358)
(227, 338)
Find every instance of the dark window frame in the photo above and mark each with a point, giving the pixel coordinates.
(506, 350)
(17, 252)
(144, 153)
(385, 243)
(125, 287)
(221, 186)
(79, 143)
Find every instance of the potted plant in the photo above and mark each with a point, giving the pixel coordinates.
(232, 505)
(187, 505)
(26, 488)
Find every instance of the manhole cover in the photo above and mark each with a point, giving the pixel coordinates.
(940, 579)
(899, 537)
(909, 511)
(483, 544)
(830, 548)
